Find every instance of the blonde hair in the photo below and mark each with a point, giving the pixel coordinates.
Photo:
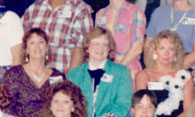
(174, 38)
(97, 32)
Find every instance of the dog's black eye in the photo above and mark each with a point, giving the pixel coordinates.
(167, 82)
(176, 86)
(183, 77)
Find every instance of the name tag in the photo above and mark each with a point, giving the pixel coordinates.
(55, 79)
(188, 20)
(107, 78)
(65, 13)
(155, 86)
(101, 21)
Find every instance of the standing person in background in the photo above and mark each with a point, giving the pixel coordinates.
(105, 84)
(127, 24)
(180, 17)
(27, 83)
(11, 33)
(65, 22)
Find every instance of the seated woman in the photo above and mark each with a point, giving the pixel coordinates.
(64, 99)
(144, 103)
(105, 84)
(27, 83)
(164, 56)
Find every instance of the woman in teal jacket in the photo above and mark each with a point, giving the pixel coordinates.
(105, 84)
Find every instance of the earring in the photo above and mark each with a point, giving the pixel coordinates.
(26, 59)
(154, 56)
(46, 57)
(72, 110)
(174, 59)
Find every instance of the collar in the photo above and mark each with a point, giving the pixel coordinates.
(123, 6)
(101, 66)
(46, 2)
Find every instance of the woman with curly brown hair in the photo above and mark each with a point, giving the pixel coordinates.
(164, 56)
(64, 99)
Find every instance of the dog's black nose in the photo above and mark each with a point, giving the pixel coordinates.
(167, 82)
(176, 86)
(183, 77)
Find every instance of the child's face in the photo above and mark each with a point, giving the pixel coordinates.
(144, 108)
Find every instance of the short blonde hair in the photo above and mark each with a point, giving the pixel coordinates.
(97, 32)
(174, 38)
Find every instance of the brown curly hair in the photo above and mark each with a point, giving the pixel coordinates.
(70, 89)
(174, 38)
(4, 98)
(27, 36)
(97, 32)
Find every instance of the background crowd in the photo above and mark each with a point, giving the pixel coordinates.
(86, 58)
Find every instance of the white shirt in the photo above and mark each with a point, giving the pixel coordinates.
(11, 33)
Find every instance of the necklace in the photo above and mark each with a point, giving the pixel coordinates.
(38, 78)
(34, 76)
(174, 26)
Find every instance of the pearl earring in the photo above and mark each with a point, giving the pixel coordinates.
(154, 56)
(26, 59)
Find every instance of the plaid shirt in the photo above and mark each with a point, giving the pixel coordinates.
(64, 25)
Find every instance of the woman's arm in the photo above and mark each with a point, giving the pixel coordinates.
(190, 59)
(137, 46)
(141, 81)
(16, 54)
(132, 53)
(188, 92)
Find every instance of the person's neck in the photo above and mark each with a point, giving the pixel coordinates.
(182, 5)
(116, 4)
(56, 3)
(165, 69)
(96, 63)
(37, 66)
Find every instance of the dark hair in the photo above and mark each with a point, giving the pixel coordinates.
(4, 98)
(131, 1)
(70, 89)
(26, 37)
(140, 94)
(97, 32)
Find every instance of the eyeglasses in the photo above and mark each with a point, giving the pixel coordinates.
(98, 45)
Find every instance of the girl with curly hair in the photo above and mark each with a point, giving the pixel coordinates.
(64, 99)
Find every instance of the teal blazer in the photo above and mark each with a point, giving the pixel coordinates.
(114, 93)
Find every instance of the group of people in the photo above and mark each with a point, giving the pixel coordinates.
(56, 63)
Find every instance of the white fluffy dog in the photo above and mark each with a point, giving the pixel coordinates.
(175, 88)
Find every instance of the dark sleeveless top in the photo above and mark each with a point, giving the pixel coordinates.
(162, 95)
